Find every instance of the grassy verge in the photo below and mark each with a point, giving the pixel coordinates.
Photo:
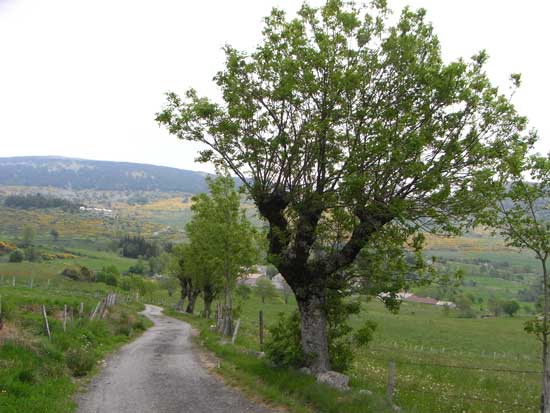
(299, 393)
(443, 363)
(38, 374)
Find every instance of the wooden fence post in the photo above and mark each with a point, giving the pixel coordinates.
(1, 317)
(81, 309)
(30, 285)
(92, 316)
(65, 318)
(46, 324)
(261, 330)
(391, 381)
(236, 331)
(13, 282)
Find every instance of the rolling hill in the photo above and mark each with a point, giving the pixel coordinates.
(71, 173)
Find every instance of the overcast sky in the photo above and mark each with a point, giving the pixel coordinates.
(85, 78)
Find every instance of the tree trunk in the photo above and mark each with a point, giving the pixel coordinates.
(208, 298)
(184, 292)
(227, 322)
(190, 305)
(192, 299)
(545, 397)
(314, 332)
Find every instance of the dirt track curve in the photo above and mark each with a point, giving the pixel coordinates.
(161, 372)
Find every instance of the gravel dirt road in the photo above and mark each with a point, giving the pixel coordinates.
(161, 372)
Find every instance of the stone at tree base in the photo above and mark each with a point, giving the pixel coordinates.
(334, 379)
(304, 370)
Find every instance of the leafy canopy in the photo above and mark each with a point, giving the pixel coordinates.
(341, 123)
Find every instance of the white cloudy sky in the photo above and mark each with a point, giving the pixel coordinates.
(85, 78)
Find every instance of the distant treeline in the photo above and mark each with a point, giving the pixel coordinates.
(39, 201)
(137, 246)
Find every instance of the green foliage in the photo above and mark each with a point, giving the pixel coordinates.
(344, 123)
(17, 256)
(222, 243)
(271, 271)
(138, 246)
(37, 373)
(55, 234)
(158, 264)
(283, 347)
(137, 268)
(170, 284)
(32, 254)
(108, 275)
(510, 307)
(464, 306)
(80, 361)
(39, 201)
(265, 289)
(29, 233)
(495, 306)
(243, 292)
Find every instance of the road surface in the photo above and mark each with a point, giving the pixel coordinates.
(161, 372)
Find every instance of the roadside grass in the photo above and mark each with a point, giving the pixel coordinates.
(443, 363)
(300, 393)
(40, 375)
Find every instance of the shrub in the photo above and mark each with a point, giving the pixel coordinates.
(108, 275)
(283, 347)
(79, 361)
(464, 306)
(510, 307)
(17, 256)
(137, 268)
(71, 273)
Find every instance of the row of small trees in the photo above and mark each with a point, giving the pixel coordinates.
(222, 245)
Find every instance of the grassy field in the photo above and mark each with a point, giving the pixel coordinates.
(443, 363)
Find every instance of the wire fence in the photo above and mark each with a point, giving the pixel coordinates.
(394, 382)
(457, 366)
(494, 355)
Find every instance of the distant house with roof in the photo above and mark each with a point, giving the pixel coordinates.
(410, 297)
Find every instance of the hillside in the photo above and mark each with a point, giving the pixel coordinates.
(77, 174)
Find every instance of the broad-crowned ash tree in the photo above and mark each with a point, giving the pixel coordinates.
(345, 124)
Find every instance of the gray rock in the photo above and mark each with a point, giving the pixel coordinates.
(305, 370)
(334, 379)
(365, 391)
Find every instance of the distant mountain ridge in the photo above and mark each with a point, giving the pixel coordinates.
(60, 172)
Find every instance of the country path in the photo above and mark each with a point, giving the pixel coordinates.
(161, 372)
